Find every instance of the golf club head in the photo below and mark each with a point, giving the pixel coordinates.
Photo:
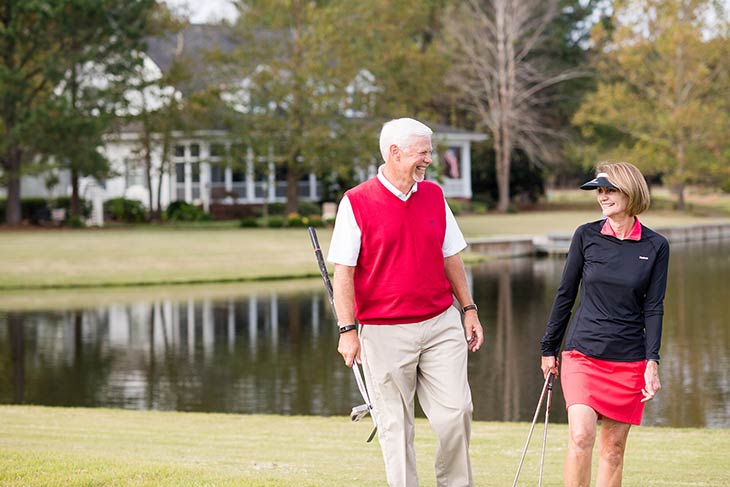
(359, 412)
(372, 435)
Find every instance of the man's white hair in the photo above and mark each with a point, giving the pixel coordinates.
(401, 132)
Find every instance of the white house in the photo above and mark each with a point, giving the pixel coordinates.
(199, 174)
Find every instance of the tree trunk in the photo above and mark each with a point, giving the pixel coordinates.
(503, 163)
(678, 190)
(157, 212)
(75, 199)
(11, 164)
(148, 173)
(505, 73)
(678, 187)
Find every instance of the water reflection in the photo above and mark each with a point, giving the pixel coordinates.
(275, 351)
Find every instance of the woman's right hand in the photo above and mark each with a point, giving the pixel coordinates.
(548, 365)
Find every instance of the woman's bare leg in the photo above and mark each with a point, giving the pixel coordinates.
(582, 436)
(611, 447)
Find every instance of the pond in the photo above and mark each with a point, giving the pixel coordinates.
(272, 348)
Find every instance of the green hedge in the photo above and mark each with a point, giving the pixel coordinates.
(38, 210)
(124, 210)
(180, 211)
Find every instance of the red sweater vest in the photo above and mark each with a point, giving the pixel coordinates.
(400, 276)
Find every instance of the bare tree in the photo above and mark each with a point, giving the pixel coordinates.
(501, 80)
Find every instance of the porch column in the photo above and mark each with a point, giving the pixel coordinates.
(272, 181)
(205, 185)
(312, 186)
(250, 183)
(466, 169)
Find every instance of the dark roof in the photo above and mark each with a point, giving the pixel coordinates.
(192, 43)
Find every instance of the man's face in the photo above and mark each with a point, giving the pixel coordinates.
(416, 158)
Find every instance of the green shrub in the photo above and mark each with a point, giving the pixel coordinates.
(275, 222)
(32, 209)
(75, 222)
(124, 210)
(309, 208)
(479, 207)
(65, 202)
(457, 207)
(315, 221)
(180, 211)
(249, 222)
(295, 220)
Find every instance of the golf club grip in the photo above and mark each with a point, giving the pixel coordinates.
(322, 269)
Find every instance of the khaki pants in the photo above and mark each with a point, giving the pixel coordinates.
(428, 358)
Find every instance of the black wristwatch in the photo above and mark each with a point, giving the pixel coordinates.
(346, 328)
(469, 307)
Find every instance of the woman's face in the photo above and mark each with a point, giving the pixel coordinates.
(613, 202)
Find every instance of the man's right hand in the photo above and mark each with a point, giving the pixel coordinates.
(349, 347)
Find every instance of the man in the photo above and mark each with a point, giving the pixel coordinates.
(396, 249)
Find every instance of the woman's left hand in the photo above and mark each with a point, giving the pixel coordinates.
(651, 380)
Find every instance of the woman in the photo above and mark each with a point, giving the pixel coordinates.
(611, 354)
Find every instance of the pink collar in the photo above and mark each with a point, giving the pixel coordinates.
(634, 234)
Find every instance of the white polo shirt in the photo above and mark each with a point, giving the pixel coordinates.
(346, 237)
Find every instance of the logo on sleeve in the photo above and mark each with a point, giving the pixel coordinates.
(641, 257)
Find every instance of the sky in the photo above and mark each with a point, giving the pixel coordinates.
(204, 10)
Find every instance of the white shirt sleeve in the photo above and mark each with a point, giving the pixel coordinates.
(345, 243)
(453, 240)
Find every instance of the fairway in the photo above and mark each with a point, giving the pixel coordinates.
(42, 446)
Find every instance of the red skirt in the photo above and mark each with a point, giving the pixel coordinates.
(612, 389)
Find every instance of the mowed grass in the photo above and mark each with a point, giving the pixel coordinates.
(149, 255)
(161, 255)
(42, 446)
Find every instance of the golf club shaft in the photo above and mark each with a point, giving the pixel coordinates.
(323, 269)
(331, 297)
(532, 427)
(544, 432)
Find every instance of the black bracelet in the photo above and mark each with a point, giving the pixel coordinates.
(469, 307)
(346, 328)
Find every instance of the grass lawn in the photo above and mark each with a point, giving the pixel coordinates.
(220, 253)
(42, 446)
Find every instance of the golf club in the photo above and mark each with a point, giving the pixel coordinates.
(548, 386)
(359, 412)
(355, 416)
(544, 431)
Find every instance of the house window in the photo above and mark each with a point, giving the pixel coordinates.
(133, 173)
(180, 172)
(180, 151)
(194, 150)
(217, 173)
(195, 174)
(180, 181)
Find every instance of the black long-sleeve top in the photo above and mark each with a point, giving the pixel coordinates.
(622, 285)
